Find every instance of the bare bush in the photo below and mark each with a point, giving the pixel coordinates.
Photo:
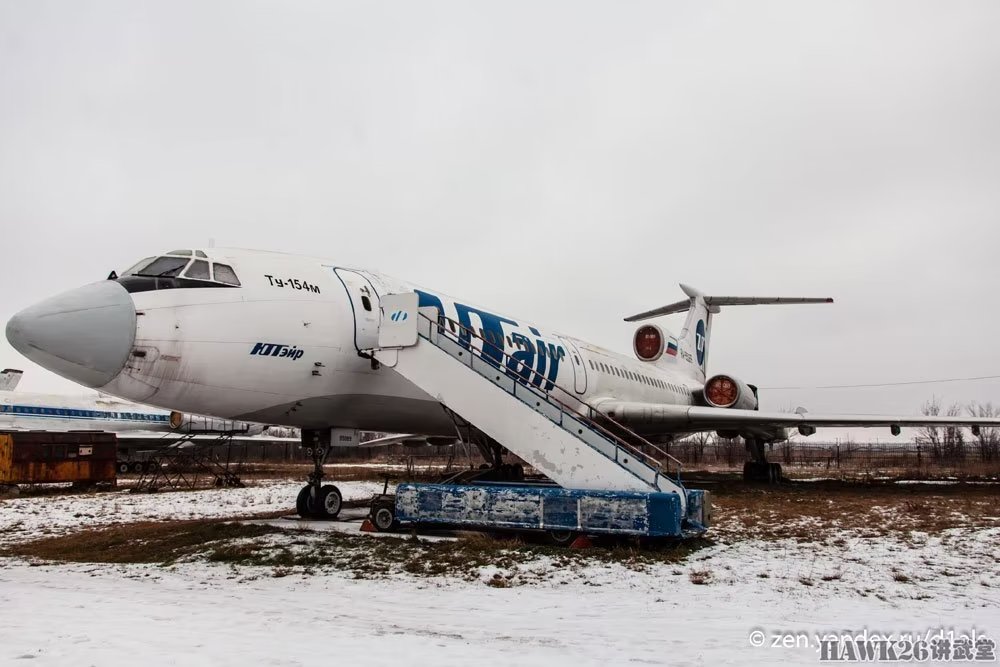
(988, 440)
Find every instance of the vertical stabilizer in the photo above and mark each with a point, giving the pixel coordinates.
(694, 337)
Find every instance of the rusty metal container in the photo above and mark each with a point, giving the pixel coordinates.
(44, 457)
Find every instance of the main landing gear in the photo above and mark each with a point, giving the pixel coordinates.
(317, 500)
(759, 469)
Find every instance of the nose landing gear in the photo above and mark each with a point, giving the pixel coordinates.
(317, 500)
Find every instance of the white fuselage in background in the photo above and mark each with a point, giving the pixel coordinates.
(23, 411)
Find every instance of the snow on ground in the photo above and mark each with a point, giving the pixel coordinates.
(26, 517)
(556, 611)
(201, 614)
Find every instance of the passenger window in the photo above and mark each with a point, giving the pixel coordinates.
(186, 253)
(365, 301)
(198, 271)
(225, 274)
(199, 253)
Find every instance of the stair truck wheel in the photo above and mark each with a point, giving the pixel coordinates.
(384, 517)
(330, 502)
(561, 538)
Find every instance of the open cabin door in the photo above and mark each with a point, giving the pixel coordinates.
(365, 304)
(579, 369)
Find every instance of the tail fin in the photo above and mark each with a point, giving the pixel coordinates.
(9, 378)
(694, 337)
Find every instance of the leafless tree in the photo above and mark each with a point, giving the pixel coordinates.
(953, 442)
(697, 444)
(732, 449)
(988, 440)
(930, 435)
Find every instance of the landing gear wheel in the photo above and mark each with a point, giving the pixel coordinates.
(749, 468)
(384, 519)
(304, 503)
(561, 538)
(330, 502)
(774, 473)
(122, 468)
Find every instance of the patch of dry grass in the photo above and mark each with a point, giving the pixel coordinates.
(811, 512)
(146, 542)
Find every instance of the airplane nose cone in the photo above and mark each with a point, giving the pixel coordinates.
(84, 335)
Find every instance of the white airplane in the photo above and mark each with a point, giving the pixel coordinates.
(283, 339)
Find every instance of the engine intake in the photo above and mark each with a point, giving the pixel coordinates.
(725, 391)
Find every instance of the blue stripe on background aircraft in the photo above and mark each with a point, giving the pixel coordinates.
(280, 339)
(24, 411)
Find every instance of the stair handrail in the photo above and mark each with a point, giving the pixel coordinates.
(588, 419)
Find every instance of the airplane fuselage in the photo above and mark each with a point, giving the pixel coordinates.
(283, 348)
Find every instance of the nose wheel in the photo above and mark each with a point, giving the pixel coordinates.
(325, 504)
(317, 500)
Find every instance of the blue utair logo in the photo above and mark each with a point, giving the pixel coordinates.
(398, 316)
(699, 342)
(276, 350)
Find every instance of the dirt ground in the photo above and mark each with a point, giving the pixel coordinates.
(825, 513)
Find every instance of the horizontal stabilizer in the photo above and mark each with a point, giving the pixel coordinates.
(9, 378)
(714, 302)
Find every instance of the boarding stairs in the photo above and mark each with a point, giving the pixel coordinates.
(553, 431)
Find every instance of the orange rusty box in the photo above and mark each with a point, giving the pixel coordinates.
(42, 457)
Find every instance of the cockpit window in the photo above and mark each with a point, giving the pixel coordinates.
(138, 265)
(163, 267)
(225, 274)
(198, 270)
(176, 269)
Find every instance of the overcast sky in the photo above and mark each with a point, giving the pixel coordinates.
(568, 162)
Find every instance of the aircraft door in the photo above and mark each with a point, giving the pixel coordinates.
(365, 304)
(579, 368)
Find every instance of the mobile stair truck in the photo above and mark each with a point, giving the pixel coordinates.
(604, 483)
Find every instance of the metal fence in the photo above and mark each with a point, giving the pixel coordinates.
(847, 458)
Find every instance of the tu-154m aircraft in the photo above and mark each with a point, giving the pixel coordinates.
(283, 339)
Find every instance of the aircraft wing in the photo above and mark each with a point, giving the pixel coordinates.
(409, 439)
(684, 418)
